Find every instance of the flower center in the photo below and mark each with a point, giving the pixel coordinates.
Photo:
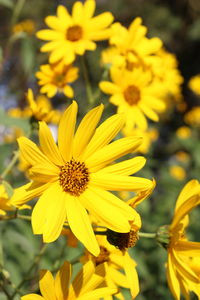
(122, 240)
(103, 256)
(132, 95)
(74, 177)
(74, 33)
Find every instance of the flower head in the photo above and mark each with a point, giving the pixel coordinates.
(74, 177)
(194, 84)
(57, 78)
(181, 275)
(115, 261)
(86, 285)
(135, 95)
(72, 35)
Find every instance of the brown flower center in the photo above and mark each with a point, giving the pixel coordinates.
(122, 240)
(74, 33)
(74, 177)
(103, 256)
(132, 95)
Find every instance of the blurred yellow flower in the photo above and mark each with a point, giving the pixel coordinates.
(181, 275)
(182, 156)
(150, 135)
(72, 35)
(69, 176)
(27, 26)
(135, 95)
(135, 49)
(166, 71)
(177, 172)
(86, 284)
(5, 204)
(115, 261)
(193, 117)
(194, 84)
(57, 78)
(183, 132)
(39, 108)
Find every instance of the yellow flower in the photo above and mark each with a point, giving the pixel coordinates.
(194, 84)
(183, 132)
(5, 204)
(180, 274)
(72, 35)
(182, 156)
(135, 49)
(177, 172)
(114, 261)
(149, 136)
(56, 78)
(166, 71)
(39, 108)
(84, 286)
(27, 26)
(193, 117)
(135, 95)
(69, 176)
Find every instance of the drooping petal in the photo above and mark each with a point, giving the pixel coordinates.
(188, 248)
(186, 192)
(184, 269)
(80, 224)
(46, 284)
(104, 134)
(172, 278)
(118, 278)
(98, 293)
(107, 208)
(86, 130)
(131, 274)
(66, 131)
(48, 145)
(113, 182)
(112, 151)
(62, 281)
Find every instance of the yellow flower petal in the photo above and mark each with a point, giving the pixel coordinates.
(62, 281)
(131, 274)
(48, 145)
(108, 209)
(77, 12)
(66, 131)
(109, 87)
(184, 269)
(101, 21)
(32, 297)
(46, 284)
(98, 293)
(80, 224)
(89, 8)
(118, 278)
(127, 167)
(113, 182)
(112, 151)
(188, 248)
(86, 130)
(32, 153)
(104, 134)
(47, 34)
(55, 212)
(172, 278)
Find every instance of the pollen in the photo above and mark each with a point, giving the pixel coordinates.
(74, 177)
(103, 256)
(132, 95)
(74, 33)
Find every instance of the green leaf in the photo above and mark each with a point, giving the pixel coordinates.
(27, 55)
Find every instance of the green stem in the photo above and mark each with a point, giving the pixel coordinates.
(87, 82)
(147, 235)
(17, 10)
(10, 165)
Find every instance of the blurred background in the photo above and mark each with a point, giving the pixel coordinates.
(172, 159)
